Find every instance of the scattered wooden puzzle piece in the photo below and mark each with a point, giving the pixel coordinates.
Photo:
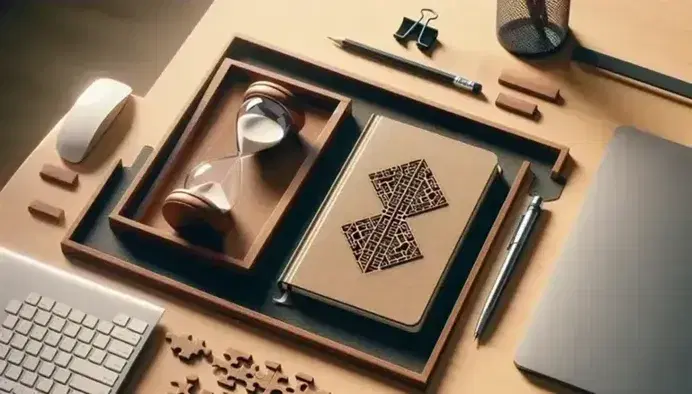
(238, 368)
(280, 384)
(186, 347)
(185, 387)
(306, 384)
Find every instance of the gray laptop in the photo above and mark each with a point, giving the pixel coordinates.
(62, 334)
(617, 315)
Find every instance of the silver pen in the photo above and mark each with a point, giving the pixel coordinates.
(521, 235)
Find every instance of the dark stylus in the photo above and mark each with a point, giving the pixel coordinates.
(413, 67)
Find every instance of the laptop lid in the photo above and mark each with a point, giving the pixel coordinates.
(617, 314)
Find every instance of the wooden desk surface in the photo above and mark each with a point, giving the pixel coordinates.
(652, 33)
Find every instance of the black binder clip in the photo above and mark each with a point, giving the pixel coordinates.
(427, 35)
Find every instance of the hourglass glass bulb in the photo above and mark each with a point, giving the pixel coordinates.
(219, 181)
(212, 188)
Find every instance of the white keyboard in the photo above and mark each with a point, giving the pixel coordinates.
(49, 347)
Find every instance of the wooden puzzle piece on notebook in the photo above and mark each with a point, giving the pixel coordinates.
(187, 348)
(238, 368)
(185, 387)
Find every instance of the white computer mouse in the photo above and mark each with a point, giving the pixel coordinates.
(88, 119)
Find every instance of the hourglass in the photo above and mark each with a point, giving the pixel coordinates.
(212, 188)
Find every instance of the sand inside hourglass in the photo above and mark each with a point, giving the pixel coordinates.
(220, 180)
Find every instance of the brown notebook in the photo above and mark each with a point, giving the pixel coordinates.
(392, 223)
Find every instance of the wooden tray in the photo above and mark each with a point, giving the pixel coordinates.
(411, 358)
(271, 179)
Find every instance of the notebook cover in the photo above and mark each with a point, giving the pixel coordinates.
(391, 224)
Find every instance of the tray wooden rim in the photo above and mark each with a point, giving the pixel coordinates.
(90, 255)
(123, 223)
(558, 170)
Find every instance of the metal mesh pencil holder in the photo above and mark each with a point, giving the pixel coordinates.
(532, 27)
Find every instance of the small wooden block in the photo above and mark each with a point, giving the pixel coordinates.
(305, 378)
(516, 105)
(272, 365)
(47, 211)
(59, 175)
(529, 86)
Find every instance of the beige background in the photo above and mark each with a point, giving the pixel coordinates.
(326, 266)
(651, 33)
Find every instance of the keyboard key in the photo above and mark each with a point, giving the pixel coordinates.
(93, 371)
(38, 333)
(52, 339)
(81, 350)
(27, 311)
(15, 357)
(3, 364)
(44, 385)
(125, 335)
(67, 344)
(56, 324)
(61, 310)
(42, 318)
(13, 307)
(46, 304)
(6, 384)
(4, 349)
(60, 389)
(23, 327)
(10, 322)
(76, 316)
(5, 335)
(101, 341)
(28, 378)
(104, 327)
(137, 326)
(97, 356)
(114, 363)
(33, 348)
(90, 321)
(120, 349)
(23, 390)
(71, 330)
(48, 353)
(62, 359)
(86, 335)
(87, 385)
(19, 341)
(62, 375)
(121, 320)
(33, 299)
(46, 369)
(30, 363)
(13, 372)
